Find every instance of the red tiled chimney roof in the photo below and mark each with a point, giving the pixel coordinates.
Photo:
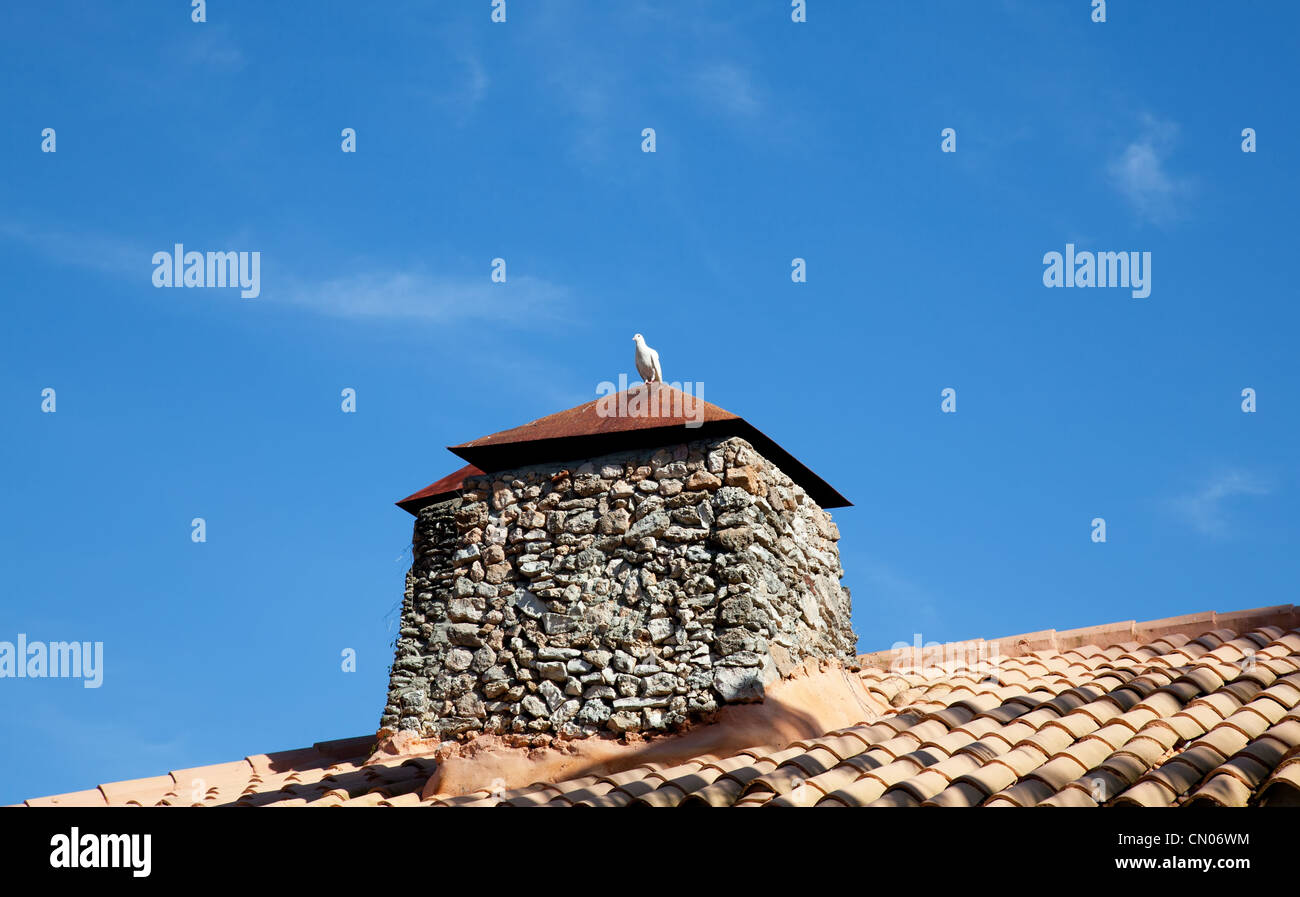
(436, 491)
(584, 432)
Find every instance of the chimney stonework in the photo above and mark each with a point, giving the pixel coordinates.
(635, 591)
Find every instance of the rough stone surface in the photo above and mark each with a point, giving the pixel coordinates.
(626, 593)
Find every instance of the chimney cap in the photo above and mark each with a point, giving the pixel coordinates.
(437, 491)
(585, 432)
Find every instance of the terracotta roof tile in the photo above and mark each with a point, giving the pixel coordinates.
(1195, 710)
(137, 792)
(1025, 793)
(896, 798)
(1222, 791)
(1020, 761)
(961, 793)
(1281, 666)
(92, 797)
(1115, 775)
(1252, 719)
(1070, 797)
(410, 799)
(1205, 716)
(1283, 788)
(1149, 793)
(722, 793)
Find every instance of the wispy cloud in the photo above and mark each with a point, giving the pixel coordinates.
(211, 46)
(379, 293)
(581, 85)
(463, 95)
(1140, 173)
(1206, 509)
(420, 296)
(476, 80)
(730, 88)
(97, 252)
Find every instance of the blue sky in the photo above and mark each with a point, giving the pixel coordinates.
(523, 141)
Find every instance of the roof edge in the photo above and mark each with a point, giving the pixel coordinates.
(494, 458)
(1105, 635)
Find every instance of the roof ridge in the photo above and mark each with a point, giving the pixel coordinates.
(1286, 616)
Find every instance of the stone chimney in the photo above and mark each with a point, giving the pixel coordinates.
(588, 573)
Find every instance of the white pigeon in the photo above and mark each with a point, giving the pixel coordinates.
(647, 361)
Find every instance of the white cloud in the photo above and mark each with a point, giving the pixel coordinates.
(477, 80)
(730, 88)
(1206, 509)
(418, 296)
(465, 95)
(1140, 174)
(392, 294)
(212, 46)
(97, 252)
